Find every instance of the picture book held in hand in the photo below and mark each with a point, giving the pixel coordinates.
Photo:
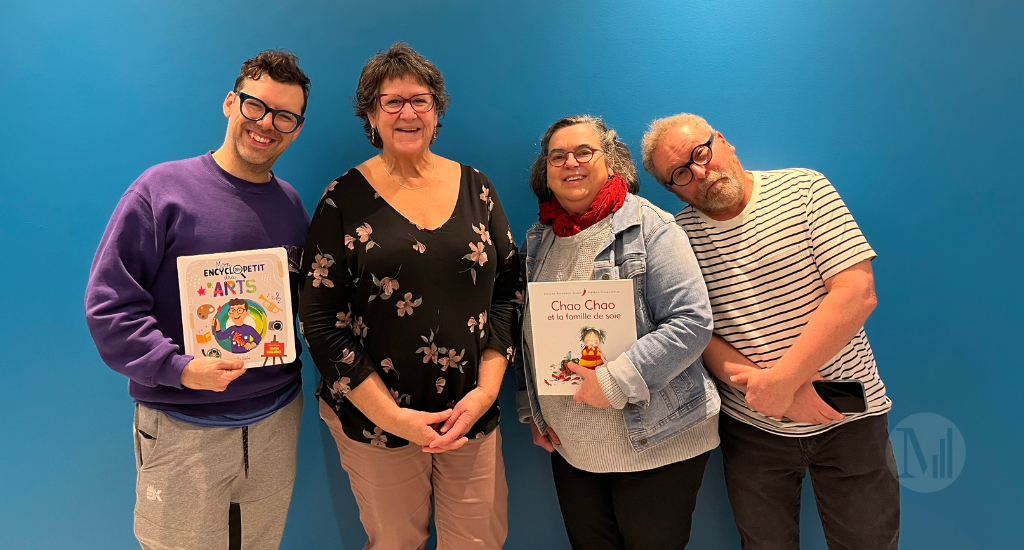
(237, 305)
(588, 323)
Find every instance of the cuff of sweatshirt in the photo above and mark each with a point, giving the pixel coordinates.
(630, 381)
(612, 392)
(523, 406)
(169, 374)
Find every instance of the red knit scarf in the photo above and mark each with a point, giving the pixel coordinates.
(609, 199)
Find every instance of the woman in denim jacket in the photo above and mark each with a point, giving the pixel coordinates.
(634, 440)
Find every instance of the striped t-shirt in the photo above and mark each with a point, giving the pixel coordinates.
(765, 271)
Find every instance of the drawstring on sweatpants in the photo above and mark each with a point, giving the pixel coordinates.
(245, 449)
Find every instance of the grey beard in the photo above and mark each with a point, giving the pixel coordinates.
(729, 193)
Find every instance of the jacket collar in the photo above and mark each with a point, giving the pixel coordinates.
(627, 215)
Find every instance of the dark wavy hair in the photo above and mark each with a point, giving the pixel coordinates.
(396, 62)
(280, 65)
(591, 330)
(616, 155)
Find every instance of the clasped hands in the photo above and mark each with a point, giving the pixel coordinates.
(446, 430)
(775, 396)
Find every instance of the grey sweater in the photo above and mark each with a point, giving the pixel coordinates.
(595, 439)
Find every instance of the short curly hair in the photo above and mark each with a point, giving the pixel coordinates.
(281, 66)
(616, 155)
(396, 62)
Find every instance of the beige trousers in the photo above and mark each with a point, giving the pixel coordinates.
(393, 488)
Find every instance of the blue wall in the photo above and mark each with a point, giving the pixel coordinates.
(912, 108)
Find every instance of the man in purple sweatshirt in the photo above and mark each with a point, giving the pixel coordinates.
(215, 444)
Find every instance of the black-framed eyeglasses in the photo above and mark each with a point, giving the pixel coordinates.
(701, 155)
(394, 103)
(583, 154)
(254, 109)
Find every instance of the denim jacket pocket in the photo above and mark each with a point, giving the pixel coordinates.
(632, 268)
(677, 394)
(682, 386)
(673, 405)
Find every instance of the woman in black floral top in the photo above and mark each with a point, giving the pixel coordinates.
(411, 310)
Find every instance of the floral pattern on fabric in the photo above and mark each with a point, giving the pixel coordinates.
(414, 305)
(319, 270)
(377, 437)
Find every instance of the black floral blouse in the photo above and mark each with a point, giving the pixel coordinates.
(416, 306)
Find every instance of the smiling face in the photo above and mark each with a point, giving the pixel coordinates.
(405, 132)
(575, 184)
(253, 147)
(238, 313)
(591, 340)
(719, 188)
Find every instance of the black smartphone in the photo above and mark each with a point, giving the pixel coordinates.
(845, 396)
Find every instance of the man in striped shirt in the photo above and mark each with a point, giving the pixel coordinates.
(789, 276)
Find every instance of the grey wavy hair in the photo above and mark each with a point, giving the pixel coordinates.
(656, 134)
(398, 61)
(616, 155)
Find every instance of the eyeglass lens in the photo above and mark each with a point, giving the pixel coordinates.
(700, 156)
(393, 103)
(558, 157)
(254, 109)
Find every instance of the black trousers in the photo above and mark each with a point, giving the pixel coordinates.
(853, 473)
(648, 510)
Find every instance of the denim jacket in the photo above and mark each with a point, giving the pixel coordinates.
(667, 387)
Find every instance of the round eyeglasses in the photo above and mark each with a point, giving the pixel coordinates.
(701, 155)
(394, 103)
(255, 110)
(582, 154)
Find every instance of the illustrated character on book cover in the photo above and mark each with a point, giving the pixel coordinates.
(591, 339)
(239, 336)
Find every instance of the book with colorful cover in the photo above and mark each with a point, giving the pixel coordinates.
(588, 323)
(237, 305)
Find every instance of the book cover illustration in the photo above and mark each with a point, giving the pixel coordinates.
(588, 323)
(237, 305)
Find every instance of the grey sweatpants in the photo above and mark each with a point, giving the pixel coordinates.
(192, 478)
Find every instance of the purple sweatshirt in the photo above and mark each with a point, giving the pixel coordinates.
(132, 304)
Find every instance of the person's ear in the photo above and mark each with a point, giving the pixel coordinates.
(726, 142)
(229, 103)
